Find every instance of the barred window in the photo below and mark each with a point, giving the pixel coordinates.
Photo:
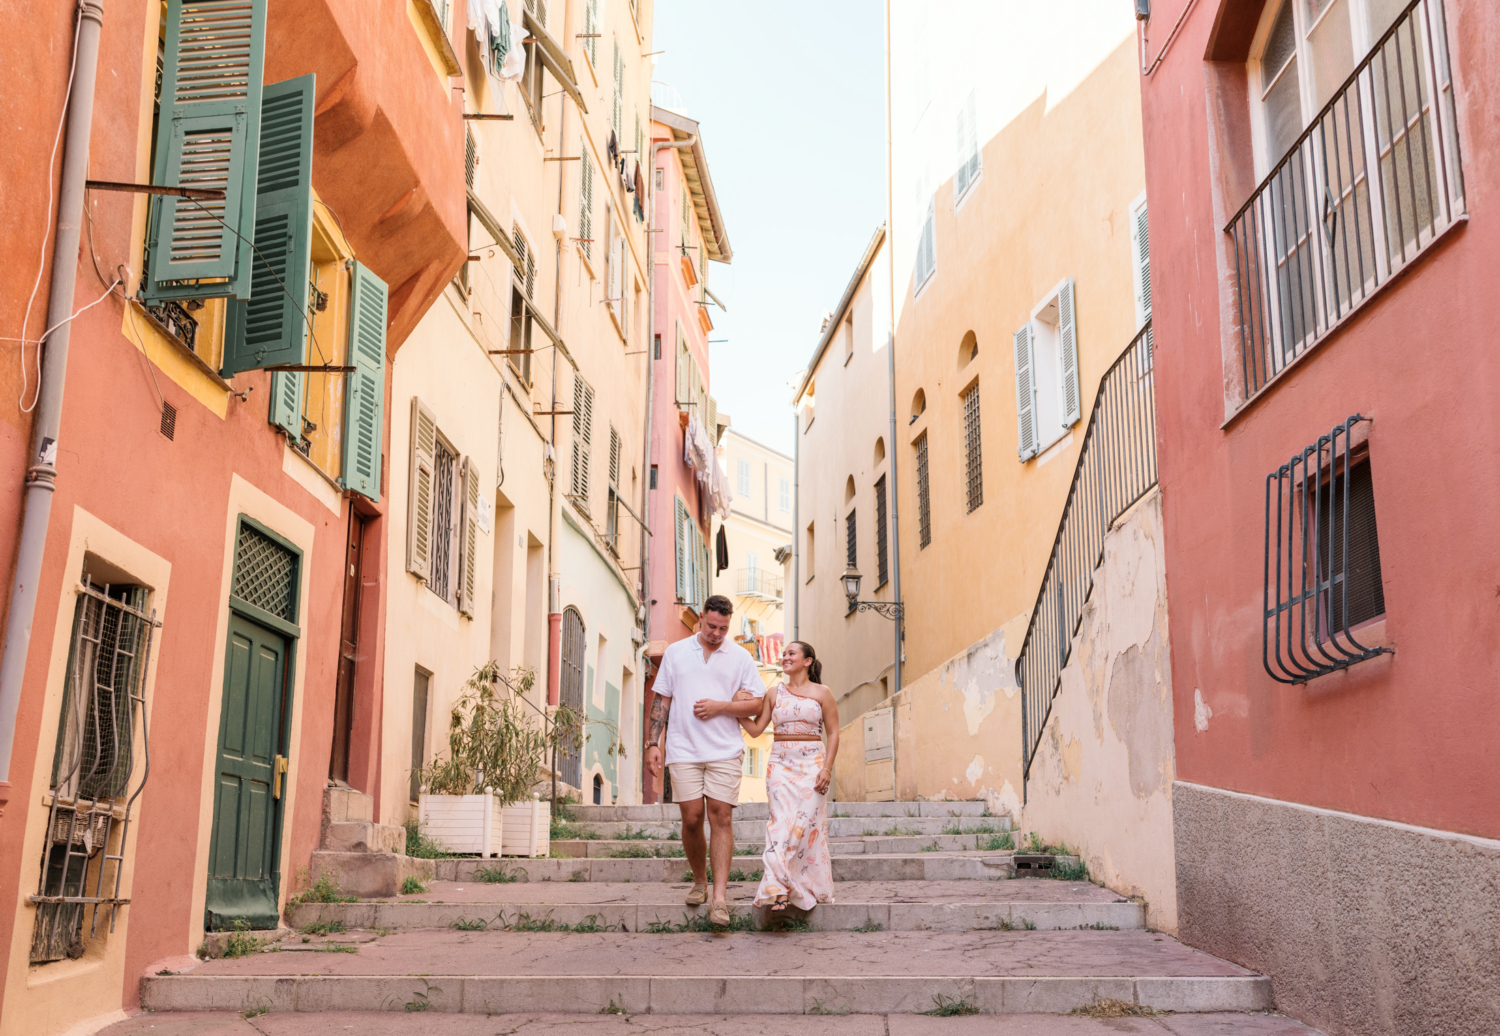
(851, 540)
(974, 473)
(924, 501)
(882, 563)
(1323, 559)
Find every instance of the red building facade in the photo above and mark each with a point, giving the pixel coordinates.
(239, 510)
(1326, 368)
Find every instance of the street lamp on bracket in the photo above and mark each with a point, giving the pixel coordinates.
(893, 610)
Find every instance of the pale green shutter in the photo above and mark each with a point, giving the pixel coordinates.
(682, 549)
(419, 491)
(1025, 394)
(286, 402)
(617, 111)
(1067, 333)
(585, 201)
(271, 327)
(591, 29)
(364, 413)
(468, 531)
(212, 75)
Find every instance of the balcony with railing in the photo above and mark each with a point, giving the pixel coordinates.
(1371, 183)
(758, 585)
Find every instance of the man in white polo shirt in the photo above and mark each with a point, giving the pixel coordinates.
(704, 747)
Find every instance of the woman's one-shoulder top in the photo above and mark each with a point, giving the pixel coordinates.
(793, 714)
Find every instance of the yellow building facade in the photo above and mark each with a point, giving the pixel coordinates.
(1017, 282)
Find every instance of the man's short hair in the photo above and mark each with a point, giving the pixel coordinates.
(719, 603)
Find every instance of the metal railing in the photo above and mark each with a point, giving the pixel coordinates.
(1322, 565)
(1116, 467)
(759, 583)
(1371, 182)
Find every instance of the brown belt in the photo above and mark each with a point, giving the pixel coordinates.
(798, 737)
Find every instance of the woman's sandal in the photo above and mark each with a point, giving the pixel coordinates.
(779, 906)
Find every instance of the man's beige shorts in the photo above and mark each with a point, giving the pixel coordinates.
(718, 780)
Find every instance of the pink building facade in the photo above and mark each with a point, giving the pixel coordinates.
(687, 232)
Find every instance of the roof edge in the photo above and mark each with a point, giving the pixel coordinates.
(871, 250)
(682, 127)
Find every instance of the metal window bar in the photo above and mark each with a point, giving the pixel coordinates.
(1371, 182)
(1116, 468)
(882, 561)
(973, 460)
(1317, 586)
(103, 706)
(924, 501)
(445, 464)
(758, 583)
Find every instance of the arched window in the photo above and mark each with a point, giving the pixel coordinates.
(598, 789)
(968, 349)
(918, 405)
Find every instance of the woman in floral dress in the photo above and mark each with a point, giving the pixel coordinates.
(798, 869)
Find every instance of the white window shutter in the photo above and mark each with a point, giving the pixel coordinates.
(468, 527)
(968, 149)
(1140, 246)
(419, 491)
(927, 247)
(1025, 394)
(1067, 333)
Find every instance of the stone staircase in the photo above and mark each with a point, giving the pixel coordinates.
(362, 857)
(922, 919)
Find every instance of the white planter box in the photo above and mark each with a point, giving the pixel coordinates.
(462, 823)
(528, 828)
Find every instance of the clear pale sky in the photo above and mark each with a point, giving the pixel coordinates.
(791, 101)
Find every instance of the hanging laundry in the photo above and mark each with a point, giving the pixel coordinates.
(771, 648)
(721, 549)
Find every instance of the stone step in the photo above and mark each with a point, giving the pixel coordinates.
(370, 875)
(933, 866)
(737, 973)
(600, 848)
(363, 837)
(752, 829)
(345, 805)
(905, 906)
(667, 812)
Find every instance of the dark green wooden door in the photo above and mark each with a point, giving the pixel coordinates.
(243, 876)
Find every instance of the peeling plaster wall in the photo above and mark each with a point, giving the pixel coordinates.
(1101, 781)
(957, 732)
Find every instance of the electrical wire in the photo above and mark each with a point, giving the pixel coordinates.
(46, 234)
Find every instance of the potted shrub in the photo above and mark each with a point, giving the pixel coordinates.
(477, 797)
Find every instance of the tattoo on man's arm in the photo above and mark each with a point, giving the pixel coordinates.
(659, 709)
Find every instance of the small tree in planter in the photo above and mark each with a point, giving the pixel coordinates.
(495, 751)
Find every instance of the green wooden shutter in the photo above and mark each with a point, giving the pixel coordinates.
(590, 29)
(271, 327)
(419, 491)
(1025, 394)
(364, 414)
(212, 74)
(1067, 333)
(286, 402)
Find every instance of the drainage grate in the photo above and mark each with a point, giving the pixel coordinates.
(1033, 865)
(265, 574)
(168, 420)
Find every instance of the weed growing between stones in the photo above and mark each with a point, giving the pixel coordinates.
(411, 885)
(821, 1008)
(614, 1008)
(567, 831)
(421, 846)
(497, 875)
(1070, 871)
(994, 843)
(263, 1007)
(671, 852)
(1028, 924)
(322, 928)
(1108, 1008)
(632, 852)
(240, 943)
(734, 875)
(633, 834)
(949, 1006)
(870, 925)
(469, 924)
(338, 947)
(899, 831)
(870, 832)
(325, 890)
(524, 922)
(699, 923)
(794, 924)
(577, 876)
(930, 848)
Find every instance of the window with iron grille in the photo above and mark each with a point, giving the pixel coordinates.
(924, 500)
(851, 545)
(1322, 564)
(92, 769)
(973, 464)
(882, 563)
(521, 326)
(444, 483)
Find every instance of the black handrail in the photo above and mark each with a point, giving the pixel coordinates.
(1116, 468)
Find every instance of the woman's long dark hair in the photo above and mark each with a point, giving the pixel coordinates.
(814, 667)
